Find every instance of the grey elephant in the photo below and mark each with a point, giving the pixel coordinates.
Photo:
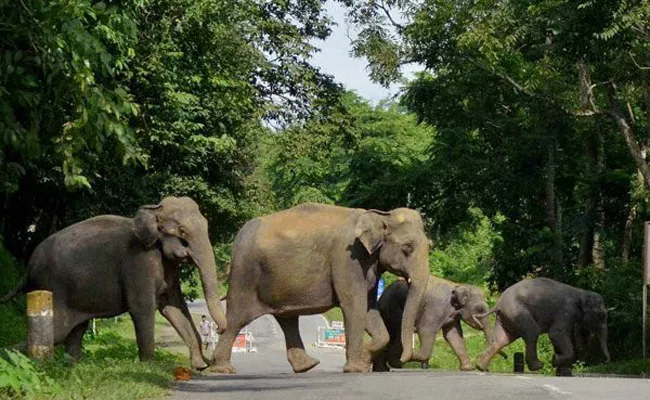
(107, 265)
(541, 305)
(310, 258)
(444, 305)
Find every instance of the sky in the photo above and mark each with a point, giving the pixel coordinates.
(335, 59)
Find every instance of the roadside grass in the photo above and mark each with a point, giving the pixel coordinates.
(109, 369)
(626, 367)
(334, 314)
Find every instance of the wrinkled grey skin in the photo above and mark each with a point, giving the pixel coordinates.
(310, 258)
(107, 265)
(535, 306)
(444, 305)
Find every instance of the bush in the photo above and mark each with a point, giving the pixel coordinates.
(20, 377)
(12, 314)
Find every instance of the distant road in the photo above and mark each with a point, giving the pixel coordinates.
(271, 356)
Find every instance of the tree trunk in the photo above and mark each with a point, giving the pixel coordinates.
(638, 187)
(627, 131)
(553, 210)
(585, 255)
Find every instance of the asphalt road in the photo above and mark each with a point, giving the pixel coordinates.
(267, 375)
(271, 355)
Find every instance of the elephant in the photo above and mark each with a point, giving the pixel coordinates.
(108, 265)
(541, 305)
(444, 305)
(312, 257)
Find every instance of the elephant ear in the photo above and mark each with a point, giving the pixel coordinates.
(145, 225)
(371, 231)
(460, 296)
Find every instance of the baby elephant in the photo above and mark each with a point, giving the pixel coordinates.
(535, 306)
(444, 305)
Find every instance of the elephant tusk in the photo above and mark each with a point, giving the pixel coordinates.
(408, 281)
(477, 321)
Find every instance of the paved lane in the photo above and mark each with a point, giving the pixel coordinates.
(415, 384)
(271, 356)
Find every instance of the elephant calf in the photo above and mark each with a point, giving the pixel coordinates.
(535, 306)
(444, 305)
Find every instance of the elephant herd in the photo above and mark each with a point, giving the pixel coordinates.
(303, 260)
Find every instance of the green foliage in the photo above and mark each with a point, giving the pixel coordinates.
(355, 155)
(468, 257)
(19, 377)
(12, 314)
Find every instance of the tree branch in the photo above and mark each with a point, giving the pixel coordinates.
(397, 25)
(637, 64)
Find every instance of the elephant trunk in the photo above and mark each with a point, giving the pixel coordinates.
(602, 337)
(418, 282)
(203, 257)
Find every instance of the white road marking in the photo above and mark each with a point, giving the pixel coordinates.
(555, 389)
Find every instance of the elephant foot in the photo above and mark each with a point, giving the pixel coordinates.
(467, 367)
(535, 365)
(482, 364)
(356, 366)
(301, 361)
(560, 361)
(223, 368)
(380, 367)
(199, 366)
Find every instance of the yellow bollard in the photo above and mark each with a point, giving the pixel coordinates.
(40, 327)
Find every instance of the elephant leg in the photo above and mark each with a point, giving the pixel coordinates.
(562, 345)
(377, 330)
(453, 334)
(354, 315)
(501, 339)
(380, 361)
(73, 341)
(394, 353)
(143, 322)
(174, 309)
(239, 313)
(296, 355)
(530, 333)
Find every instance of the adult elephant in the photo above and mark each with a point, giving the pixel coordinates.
(444, 306)
(310, 258)
(107, 265)
(541, 305)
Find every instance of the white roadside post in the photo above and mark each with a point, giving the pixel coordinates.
(40, 328)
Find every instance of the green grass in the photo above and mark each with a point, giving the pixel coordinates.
(334, 314)
(109, 369)
(627, 367)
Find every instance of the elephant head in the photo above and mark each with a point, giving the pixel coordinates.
(403, 249)
(469, 302)
(181, 231)
(592, 315)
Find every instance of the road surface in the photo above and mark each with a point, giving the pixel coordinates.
(267, 375)
(271, 355)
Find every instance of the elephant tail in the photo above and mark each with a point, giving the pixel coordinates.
(16, 290)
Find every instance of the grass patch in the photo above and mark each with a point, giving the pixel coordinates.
(334, 314)
(627, 367)
(109, 369)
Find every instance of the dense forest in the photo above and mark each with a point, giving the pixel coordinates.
(522, 140)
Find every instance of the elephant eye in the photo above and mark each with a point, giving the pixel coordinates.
(184, 242)
(407, 248)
